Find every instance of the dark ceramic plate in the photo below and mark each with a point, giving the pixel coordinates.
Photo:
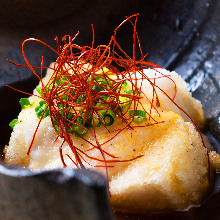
(179, 35)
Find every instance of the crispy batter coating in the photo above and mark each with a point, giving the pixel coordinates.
(172, 172)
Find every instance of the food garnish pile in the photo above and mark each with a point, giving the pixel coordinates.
(133, 121)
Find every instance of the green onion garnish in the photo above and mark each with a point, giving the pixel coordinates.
(60, 81)
(139, 115)
(40, 109)
(128, 91)
(25, 103)
(79, 130)
(39, 90)
(13, 123)
(97, 88)
(124, 85)
(104, 70)
(108, 116)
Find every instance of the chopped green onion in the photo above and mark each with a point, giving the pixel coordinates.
(39, 90)
(128, 91)
(25, 103)
(88, 123)
(63, 80)
(101, 80)
(64, 97)
(97, 88)
(124, 85)
(40, 109)
(42, 102)
(139, 115)
(101, 104)
(13, 123)
(79, 130)
(74, 129)
(104, 70)
(56, 127)
(105, 97)
(60, 81)
(70, 116)
(79, 100)
(125, 101)
(107, 116)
